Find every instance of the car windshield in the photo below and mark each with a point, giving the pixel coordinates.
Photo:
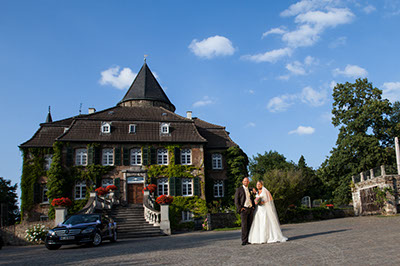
(80, 219)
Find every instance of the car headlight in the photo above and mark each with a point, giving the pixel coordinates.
(88, 230)
(51, 233)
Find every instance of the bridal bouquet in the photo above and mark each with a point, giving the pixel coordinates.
(258, 201)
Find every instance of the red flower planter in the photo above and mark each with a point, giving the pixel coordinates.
(61, 202)
(164, 199)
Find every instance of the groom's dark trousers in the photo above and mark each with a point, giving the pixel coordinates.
(246, 214)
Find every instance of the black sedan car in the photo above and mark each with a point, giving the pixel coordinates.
(82, 229)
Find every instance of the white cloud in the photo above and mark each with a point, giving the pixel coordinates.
(341, 41)
(313, 97)
(332, 84)
(279, 31)
(205, 101)
(281, 103)
(212, 47)
(391, 91)
(270, 56)
(305, 6)
(301, 130)
(352, 71)
(305, 35)
(251, 124)
(369, 9)
(296, 68)
(116, 78)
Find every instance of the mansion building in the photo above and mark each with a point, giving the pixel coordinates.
(141, 131)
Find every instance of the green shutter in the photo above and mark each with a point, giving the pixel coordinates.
(178, 187)
(153, 155)
(196, 186)
(117, 156)
(90, 155)
(97, 156)
(208, 161)
(70, 156)
(172, 190)
(126, 156)
(177, 154)
(36, 193)
(145, 156)
(117, 183)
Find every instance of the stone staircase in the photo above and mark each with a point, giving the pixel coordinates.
(131, 223)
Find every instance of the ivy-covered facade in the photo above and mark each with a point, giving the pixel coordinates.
(137, 142)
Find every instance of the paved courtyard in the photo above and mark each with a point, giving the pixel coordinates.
(348, 241)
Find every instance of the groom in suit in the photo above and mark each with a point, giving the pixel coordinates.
(244, 202)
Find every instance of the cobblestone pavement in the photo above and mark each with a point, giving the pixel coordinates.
(347, 241)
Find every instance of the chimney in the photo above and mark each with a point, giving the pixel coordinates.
(92, 110)
(189, 114)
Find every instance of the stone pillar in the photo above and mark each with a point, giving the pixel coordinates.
(362, 176)
(352, 179)
(164, 224)
(396, 141)
(125, 181)
(371, 171)
(383, 171)
(61, 214)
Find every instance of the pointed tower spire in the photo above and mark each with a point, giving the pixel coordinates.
(146, 91)
(49, 119)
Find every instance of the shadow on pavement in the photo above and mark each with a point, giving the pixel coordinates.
(317, 234)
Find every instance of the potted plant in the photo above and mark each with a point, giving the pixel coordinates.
(61, 202)
(164, 199)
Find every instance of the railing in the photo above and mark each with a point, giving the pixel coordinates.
(96, 202)
(150, 214)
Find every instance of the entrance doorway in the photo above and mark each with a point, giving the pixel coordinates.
(135, 195)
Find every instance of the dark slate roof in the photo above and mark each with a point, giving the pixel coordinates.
(146, 87)
(217, 137)
(146, 131)
(44, 137)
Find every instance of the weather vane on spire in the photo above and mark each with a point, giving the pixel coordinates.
(145, 56)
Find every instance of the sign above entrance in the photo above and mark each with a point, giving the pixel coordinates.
(135, 179)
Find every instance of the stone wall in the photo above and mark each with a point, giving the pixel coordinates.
(14, 235)
(364, 197)
(221, 220)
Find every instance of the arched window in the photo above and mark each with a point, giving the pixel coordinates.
(136, 157)
(217, 161)
(80, 190)
(108, 157)
(218, 188)
(162, 156)
(186, 156)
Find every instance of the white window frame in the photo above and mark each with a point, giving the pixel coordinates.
(187, 216)
(218, 188)
(164, 128)
(80, 187)
(132, 128)
(48, 159)
(81, 157)
(162, 156)
(136, 156)
(187, 186)
(45, 199)
(162, 186)
(105, 128)
(107, 182)
(186, 156)
(217, 161)
(107, 156)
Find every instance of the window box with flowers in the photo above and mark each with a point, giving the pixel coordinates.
(61, 202)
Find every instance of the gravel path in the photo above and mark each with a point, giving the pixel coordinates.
(347, 241)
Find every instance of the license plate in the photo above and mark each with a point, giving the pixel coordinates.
(67, 237)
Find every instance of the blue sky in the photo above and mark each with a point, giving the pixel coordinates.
(263, 69)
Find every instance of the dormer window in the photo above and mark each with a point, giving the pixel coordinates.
(105, 127)
(132, 128)
(164, 128)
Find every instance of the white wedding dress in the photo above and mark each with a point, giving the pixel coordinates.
(265, 227)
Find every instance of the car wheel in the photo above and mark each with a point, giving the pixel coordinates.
(114, 236)
(96, 239)
(52, 247)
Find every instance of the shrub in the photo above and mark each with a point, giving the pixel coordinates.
(194, 204)
(36, 234)
(64, 202)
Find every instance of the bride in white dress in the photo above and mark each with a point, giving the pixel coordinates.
(265, 227)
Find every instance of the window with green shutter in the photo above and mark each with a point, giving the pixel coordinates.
(172, 186)
(196, 186)
(178, 186)
(177, 154)
(117, 156)
(145, 156)
(153, 155)
(70, 156)
(126, 156)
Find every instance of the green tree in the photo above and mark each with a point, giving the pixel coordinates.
(364, 139)
(271, 160)
(8, 202)
(314, 185)
(237, 162)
